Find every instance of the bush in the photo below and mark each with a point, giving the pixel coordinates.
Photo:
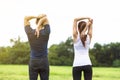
(116, 63)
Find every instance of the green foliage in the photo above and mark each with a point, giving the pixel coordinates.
(17, 54)
(105, 55)
(116, 63)
(61, 54)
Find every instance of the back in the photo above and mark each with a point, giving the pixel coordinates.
(81, 53)
(38, 45)
(78, 46)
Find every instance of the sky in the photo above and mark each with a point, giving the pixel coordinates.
(60, 13)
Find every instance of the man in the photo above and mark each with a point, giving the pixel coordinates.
(38, 40)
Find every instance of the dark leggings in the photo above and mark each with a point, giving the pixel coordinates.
(77, 72)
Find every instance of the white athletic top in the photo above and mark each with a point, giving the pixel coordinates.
(81, 53)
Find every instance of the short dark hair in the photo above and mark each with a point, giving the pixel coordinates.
(37, 20)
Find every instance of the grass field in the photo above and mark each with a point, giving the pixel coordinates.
(20, 72)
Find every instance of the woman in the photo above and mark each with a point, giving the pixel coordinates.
(81, 48)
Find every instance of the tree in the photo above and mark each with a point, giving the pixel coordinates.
(16, 54)
(19, 53)
(107, 54)
(61, 54)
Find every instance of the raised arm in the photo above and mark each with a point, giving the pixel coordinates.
(75, 32)
(43, 21)
(81, 18)
(39, 17)
(27, 19)
(90, 28)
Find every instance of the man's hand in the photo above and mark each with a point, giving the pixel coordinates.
(43, 20)
(37, 32)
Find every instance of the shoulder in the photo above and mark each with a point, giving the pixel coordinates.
(28, 29)
(46, 25)
(75, 38)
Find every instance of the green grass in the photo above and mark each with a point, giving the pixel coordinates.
(20, 72)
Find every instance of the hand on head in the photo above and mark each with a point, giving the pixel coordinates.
(91, 20)
(39, 17)
(37, 32)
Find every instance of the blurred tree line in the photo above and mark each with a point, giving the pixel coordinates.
(62, 53)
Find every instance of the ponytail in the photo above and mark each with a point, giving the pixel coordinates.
(83, 39)
(81, 27)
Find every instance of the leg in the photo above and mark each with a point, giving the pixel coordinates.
(88, 72)
(76, 73)
(33, 74)
(44, 69)
(44, 74)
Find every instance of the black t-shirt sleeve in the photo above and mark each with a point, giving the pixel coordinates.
(28, 29)
(45, 31)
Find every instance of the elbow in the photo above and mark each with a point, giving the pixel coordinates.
(26, 18)
(75, 19)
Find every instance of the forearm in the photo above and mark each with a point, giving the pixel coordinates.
(81, 18)
(27, 19)
(89, 24)
(84, 31)
(90, 28)
(41, 16)
(43, 21)
(75, 29)
(90, 31)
